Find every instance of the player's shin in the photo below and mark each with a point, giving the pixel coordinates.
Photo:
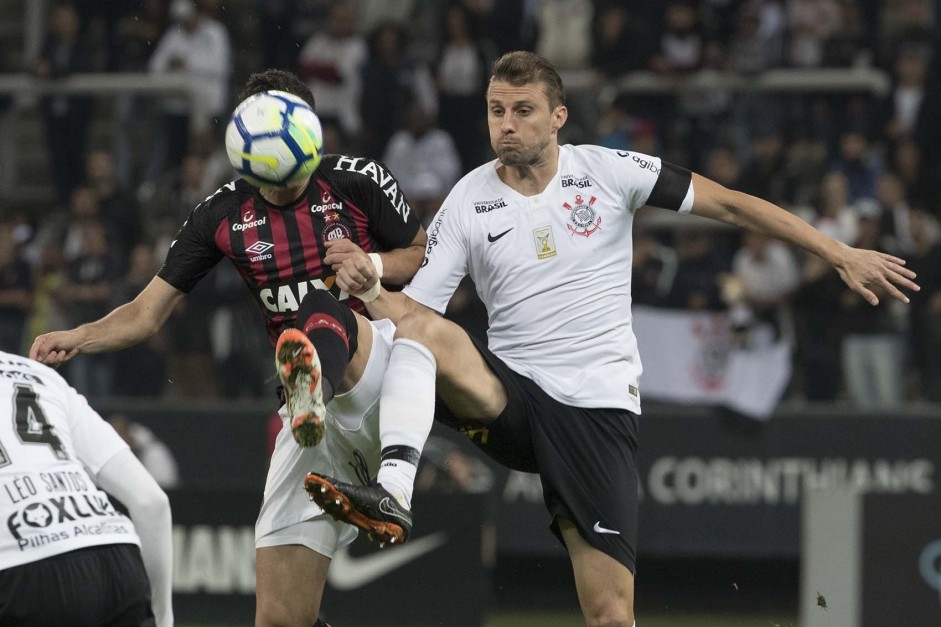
(406, 412)
(331, 327)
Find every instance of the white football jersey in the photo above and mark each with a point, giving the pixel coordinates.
(51, 444)
(554, 269)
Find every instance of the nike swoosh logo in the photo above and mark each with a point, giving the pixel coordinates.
(348, 573)
(493, 238)
(385, 506)
(623, 154)
(598, 528)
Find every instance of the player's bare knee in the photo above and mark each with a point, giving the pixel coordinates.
(609, 615)
(422, 327)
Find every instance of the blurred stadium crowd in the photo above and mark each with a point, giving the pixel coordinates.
(403, 81)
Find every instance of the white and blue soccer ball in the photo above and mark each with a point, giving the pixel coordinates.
(274, 139)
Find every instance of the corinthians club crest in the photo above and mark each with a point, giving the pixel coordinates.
(583, 219)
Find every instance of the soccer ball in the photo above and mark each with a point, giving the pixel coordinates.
(274, 139)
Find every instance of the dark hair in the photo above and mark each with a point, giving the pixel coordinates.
(276, 79)
(521, 67)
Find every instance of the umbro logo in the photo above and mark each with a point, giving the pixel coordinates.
(258, 250)
(493, 238)
(258, 247)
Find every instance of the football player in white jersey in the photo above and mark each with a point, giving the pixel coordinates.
(67, 556)
(545, 233)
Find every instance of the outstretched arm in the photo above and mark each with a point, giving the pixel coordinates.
(862, 270)
(127, 325)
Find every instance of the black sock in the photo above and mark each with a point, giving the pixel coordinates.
(331, 327)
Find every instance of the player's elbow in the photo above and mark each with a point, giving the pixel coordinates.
(153, 504)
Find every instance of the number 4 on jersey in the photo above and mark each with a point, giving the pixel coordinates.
(31, 424)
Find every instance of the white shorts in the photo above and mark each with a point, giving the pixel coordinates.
(349, 452)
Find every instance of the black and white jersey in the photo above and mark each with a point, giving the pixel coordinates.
(279, 250)
(51, 444)
(554, 270)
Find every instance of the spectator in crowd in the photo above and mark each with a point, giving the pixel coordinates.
(652, 269)
(904, 104)
(424, 160)
(906, 162)
(623, 42)
(16, 291)
(180, 189)
(154, 454)
(85, 295)
(819, 331)
(197, 47)
(331, 62)
(276, 32)
(905, 22)
(682, 46)
(813, 23)
(926, 312)
(565, 32)
(392, 78)
(463, 66)
(118, 208)
(848, 45)
(695, 286)
(834, 215)
(137, 34)
(65, 117)
(769, 275)
(896, 215)
(757, 43)
(724, 167)
(871, 350)
(139, 370)
(766, 173)
(505, 24)
(46, 314)
(858, 165)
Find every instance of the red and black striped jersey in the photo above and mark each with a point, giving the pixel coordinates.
(279, 250)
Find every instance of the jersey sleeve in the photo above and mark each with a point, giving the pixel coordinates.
(445, 261)
(94, 441)
(392, 223)
(647, 180)
(193, 253)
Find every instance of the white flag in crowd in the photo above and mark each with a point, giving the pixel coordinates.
(693, 357)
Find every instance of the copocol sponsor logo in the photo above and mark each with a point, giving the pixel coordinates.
(248, 225)
(248, 221)
(327, 206)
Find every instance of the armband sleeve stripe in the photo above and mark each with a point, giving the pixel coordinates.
(671, 187)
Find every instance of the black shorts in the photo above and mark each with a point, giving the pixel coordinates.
(584, 456)
(96, 586)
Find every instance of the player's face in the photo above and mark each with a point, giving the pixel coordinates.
(523, 127)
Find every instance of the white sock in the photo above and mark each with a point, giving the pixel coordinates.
(406, 412)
